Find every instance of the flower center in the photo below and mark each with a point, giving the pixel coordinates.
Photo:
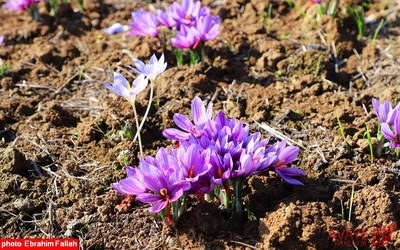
(397, 139)
(191, 172)
(219, 173)
(164, 193)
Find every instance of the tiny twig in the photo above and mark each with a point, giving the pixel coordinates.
(278, 134)
(244, 244)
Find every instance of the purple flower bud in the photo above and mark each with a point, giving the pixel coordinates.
(116, 28)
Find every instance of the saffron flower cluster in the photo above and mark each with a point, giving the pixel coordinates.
(213, 157)
(191, 22)
(390, 121)
(187, 23)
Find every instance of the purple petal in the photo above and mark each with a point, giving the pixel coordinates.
(131, 186)
(289, 154)
(139, 84)
(117, 187)
(289, 180)
(198, 111)
(387, 132)
(292, 171)
(149, 198)
(157, 207)
(175, 134)
(396, 123)
(183, 122)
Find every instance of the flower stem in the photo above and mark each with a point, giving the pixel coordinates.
(138, 129)
(147, 111)
(237, 198)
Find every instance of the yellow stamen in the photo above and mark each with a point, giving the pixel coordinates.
(164, 192)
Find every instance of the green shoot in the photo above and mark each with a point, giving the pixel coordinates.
(269, 19)
(379, 135)
(317, 68)
(3, 69)
(331, 8)
(80, 74)
(100, 130)
(377, 31)
(368, 134)
(80, 5)
(126, 132)
(341, 205)
(341, 127)
(125, 158)
(179, 56)
(194, 57)
(293, 5)
(54, 7)
(359, 17)
(351, 202)
(262, 17)
(320, 12)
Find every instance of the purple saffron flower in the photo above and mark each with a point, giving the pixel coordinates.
(187, 37)
(167, 18)
(163, 189)
(384, 111)
(208, 27)
(158, 181)
(18, 5)
(186, 12)
(152, 69)
(122, 87)
(116, 28)
(200, 116)
(1, 40)
(393, 136)
(163, 179)
(285, 155)
(144, 23)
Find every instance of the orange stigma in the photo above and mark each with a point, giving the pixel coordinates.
(191, 172)
(279, 164)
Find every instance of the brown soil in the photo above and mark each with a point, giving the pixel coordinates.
(61, 130)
